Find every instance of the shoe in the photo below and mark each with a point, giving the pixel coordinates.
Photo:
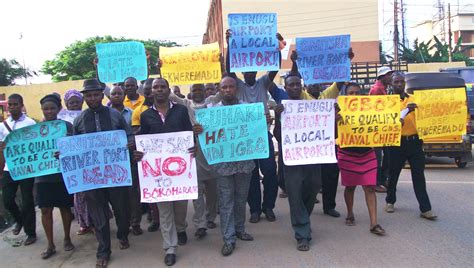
(389, 208)
(182, 238)
(84, 231)
(137, 230)
(283, 195)
(269, 215)
(153, 227)
(124, 244)
(244, 236)
(302, 245)
(380, 189)
(200, 233)
(211, 225)
(17, 229)
(332, 213)
(428, 215)
(48, 253)
(254, 218)
(30, 240)
(227, 249)
(102, 262)
(378, 230)
(170, 259)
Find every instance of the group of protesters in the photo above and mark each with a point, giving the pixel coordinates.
(152, 107)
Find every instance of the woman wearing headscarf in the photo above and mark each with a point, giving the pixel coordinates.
(73, 100)
(50, 189)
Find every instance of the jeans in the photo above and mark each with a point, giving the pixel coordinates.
(270, 182)
(411, 150)
(329, 180)
(232, 194)
(25, 216)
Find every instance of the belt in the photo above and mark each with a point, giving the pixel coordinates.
(410, 138)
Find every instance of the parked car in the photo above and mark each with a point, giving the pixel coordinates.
(454, 146)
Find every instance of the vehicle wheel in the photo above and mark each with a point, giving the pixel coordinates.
(459, 163)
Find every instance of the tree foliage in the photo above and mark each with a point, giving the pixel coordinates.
(11, 70)
(434, 51)
(75, 62)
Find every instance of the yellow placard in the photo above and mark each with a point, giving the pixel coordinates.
(191, 64)
(369, 121)
(441, 112)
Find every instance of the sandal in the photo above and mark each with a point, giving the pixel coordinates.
(84, 231)
(124, 244)
(68, 246)
(48, 253)
(303, 245)
(350, 221)
(378, 230)
(101, 263)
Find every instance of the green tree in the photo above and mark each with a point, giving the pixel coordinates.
(75, 62)
(11, 70)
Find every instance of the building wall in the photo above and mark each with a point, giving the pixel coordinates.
(312, 18)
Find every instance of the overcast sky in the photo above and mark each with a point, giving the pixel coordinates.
(47, 26)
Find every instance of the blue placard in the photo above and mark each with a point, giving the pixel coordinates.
(253, 45)
(120, 60)
(324, 59)
(95, 160)
(29, 151)
(233, 133)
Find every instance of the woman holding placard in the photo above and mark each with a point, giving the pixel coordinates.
(358, 166)
(51, 191)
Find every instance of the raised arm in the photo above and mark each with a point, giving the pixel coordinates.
(228, 34)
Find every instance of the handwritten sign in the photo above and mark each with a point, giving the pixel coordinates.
(441, 112)
(29, 151)
(68, 115)
(253, 45)
(324, 59)
(191, 64)
(233, 133)
(369, 121)
(120, 60)
(307, 128)
(95, 160)
(167, 172)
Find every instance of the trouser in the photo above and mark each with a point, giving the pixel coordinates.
(200, 217)
(383, 164)
(170, 213)
(270, 182)
(155, 213)
(134, 197)
(26, 216)
(411, 150)
(329, 180)
(281, 166)
(302, 184)
(98, 208)
(232, 194)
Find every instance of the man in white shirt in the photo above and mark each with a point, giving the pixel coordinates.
(24, 217)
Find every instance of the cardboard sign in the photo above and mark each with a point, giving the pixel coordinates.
(95, 160)
(191, 64)
(167, 172)
(369, 121)
(233, 133)
(324, 59)
(253, 45)
(69, 116)
(120, 60)
(29, 151)
(441, 112)
(307, 128)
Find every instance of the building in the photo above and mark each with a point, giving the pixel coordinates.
(306, 18)
(462, 26)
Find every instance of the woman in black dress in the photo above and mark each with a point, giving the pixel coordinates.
(50, 189)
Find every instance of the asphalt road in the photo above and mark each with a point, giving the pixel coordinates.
(410, 240)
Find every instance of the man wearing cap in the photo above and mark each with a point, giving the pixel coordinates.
(99, 118)
(384, 77)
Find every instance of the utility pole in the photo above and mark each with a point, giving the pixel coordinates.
(404, 36)
(450, 34)
(395, 30)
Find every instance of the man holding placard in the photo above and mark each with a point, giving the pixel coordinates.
(99, 118)
(253, 90)
(411, 149)
(26, 216)
(166, 117)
